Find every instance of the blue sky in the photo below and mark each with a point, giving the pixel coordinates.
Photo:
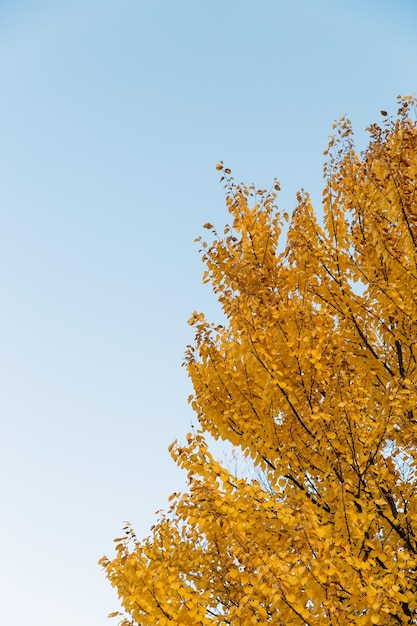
(113, 115)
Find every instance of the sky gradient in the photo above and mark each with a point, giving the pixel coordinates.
(112, 117)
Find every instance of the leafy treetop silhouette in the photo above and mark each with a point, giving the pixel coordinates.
(313, 377)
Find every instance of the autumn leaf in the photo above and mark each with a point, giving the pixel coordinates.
(313, 379)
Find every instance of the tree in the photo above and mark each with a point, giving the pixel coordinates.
(313, 377)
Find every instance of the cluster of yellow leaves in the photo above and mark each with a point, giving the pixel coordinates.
(314, 378)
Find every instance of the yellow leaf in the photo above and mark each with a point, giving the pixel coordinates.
(311, 378)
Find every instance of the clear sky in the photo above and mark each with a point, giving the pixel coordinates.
(113, 114)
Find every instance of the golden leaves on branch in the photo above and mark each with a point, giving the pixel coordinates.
(313, 377)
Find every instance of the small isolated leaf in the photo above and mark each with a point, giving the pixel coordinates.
(208, 225)
(219, 166)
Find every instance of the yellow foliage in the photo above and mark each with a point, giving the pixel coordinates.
(314, 379)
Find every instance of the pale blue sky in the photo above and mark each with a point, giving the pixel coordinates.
(113, 115)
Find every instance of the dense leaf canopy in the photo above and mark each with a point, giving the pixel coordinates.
(313, 377)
